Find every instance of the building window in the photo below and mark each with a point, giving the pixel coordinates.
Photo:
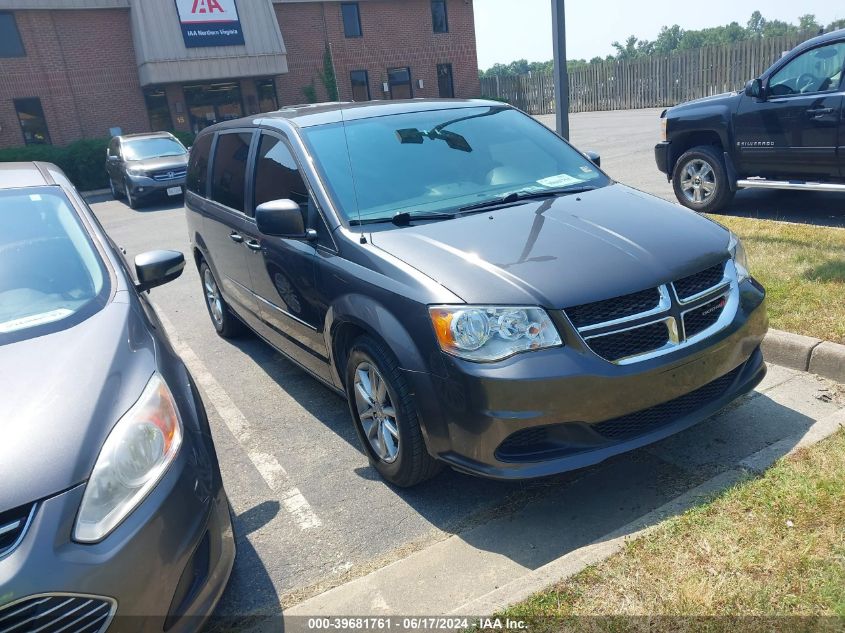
(33, 123)
(158, 110)
(439, 18)
(399, 81)
(360, 85)
(445, 85)
(266, 90)
(11, 44)
(351, 19)
(212, 103)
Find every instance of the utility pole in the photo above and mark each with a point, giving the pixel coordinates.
(561, 75)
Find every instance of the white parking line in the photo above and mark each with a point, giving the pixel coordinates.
(267, 465)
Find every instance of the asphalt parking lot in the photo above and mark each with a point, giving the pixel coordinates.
(312, 514)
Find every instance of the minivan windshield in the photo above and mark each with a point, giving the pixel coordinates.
(439, 161)
(49, 269)
(144, 148)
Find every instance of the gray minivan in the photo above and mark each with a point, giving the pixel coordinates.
(481, 292)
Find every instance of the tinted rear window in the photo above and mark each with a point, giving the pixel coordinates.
(229, 169)
(197, 178)
(50, 272)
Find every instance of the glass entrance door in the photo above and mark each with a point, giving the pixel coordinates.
(212, 103)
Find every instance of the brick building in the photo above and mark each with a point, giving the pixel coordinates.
(72, 69)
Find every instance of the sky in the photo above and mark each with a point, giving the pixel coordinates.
(508, 30)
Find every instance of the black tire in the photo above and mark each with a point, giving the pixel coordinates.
(412, 463)
(226, 324)
(131, 200)
(700, 180)
(114, 192)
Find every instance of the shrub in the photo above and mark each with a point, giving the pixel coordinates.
(83, 161)
(310, 93)
(186, 138)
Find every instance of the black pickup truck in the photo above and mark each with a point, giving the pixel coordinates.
(786, 130)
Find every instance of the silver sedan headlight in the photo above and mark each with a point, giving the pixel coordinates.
(490, 333)
(134, 457)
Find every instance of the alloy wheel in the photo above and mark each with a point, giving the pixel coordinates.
(698, 181)
(376, 412)
(212, 297)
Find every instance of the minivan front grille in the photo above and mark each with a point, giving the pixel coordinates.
(169, 174)
(611, 309)
(649, 323)
(704, 316)
(700, 282)
(627, 343)
(13, 524)
(55, 613)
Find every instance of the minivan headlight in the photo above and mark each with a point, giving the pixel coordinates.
(135, 171)
(489, 333)
(737, 251)
(135, 455)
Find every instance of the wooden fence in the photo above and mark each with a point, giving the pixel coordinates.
(654, 81)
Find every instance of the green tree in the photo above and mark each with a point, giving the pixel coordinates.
(327, 75)
(807, 23)
(755, 24)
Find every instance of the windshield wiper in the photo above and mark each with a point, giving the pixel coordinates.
(403, 218)
(519, 196)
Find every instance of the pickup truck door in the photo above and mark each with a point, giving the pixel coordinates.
(795, 131)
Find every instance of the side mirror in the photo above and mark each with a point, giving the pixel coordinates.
(594, 157)
(113, 159)
(754, 88)
(156, 268)
(282, 218)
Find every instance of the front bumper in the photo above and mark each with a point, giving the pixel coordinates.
(661, 156)
(469, 410)
(181, 532)
(142, 186)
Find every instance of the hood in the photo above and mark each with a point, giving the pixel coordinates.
(161, 163)
(62, 394)
(725, 98)
(563, 251)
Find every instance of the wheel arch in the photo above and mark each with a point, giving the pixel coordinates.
(694, 138)
(356, 315)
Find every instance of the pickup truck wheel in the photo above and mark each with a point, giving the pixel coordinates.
(225, 323)
(700, 180)
(385, 417)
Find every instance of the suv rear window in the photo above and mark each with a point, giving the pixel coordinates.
(197, 178)
(229, 169)
(50, 271)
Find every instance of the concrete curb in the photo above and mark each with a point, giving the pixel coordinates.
(805, 353)
(600, 550)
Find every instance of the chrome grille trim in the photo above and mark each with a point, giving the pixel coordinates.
(664, 304)
(8, 527)
(162, 176)
(726, 280)
(672, 313)
(100, 613)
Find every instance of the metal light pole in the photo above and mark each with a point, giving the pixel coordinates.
(561, 75)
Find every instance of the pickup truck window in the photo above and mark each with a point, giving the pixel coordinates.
(816, 70)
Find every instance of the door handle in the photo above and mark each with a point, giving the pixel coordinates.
(817, 112)
(235, 237)
(253, 245)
